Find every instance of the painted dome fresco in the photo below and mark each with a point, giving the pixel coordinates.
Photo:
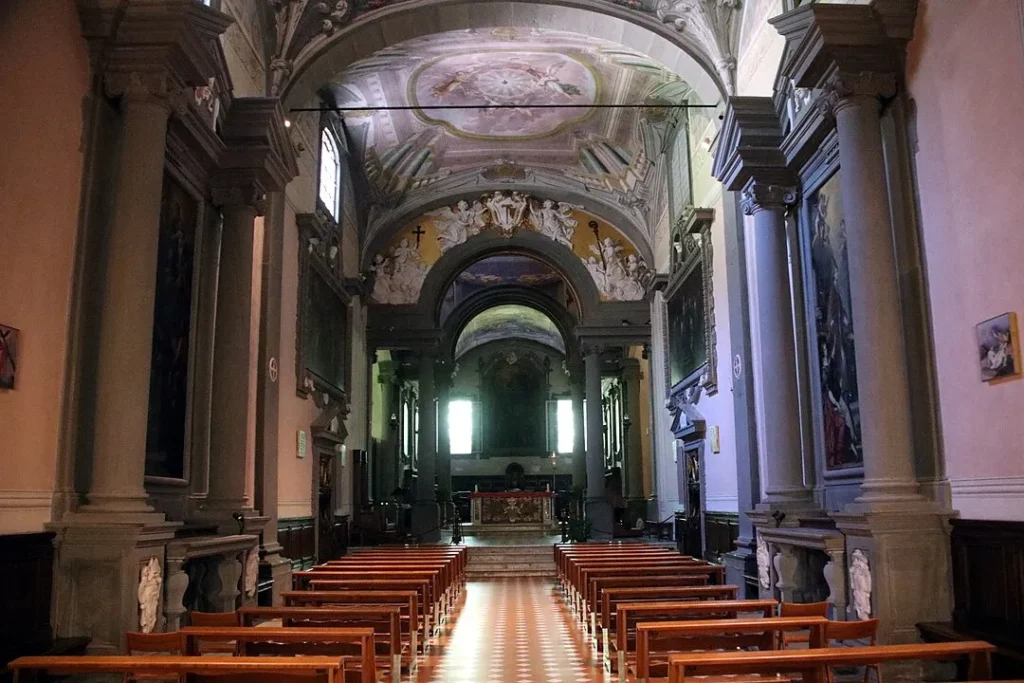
(506, 98)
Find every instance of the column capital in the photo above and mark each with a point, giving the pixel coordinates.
(154, 86)
(844, 89)
(241, 194)
(761, 196)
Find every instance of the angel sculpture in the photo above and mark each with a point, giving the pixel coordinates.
(455, 226)
(554, 221)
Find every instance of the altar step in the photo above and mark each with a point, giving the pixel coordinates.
(492, 562)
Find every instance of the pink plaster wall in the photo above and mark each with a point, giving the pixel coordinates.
(40, 178)
(966, 74)
(295, 475)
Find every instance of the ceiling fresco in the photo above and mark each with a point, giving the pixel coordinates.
(507, 78)
(509, 321)
(618, 270)
(506, 269)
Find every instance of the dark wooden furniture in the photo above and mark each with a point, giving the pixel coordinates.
(278, 669)
(26, 583)
(988, 592)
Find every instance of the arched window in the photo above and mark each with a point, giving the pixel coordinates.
(330, 172)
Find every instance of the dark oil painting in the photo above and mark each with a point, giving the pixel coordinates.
(833, 320)
(172, 321)
(687, 345)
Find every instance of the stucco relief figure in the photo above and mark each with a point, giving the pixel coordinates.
(455, 226)
(252, 570)
(763, 563)
(860, 578)
(555, 221)
(150, 582)
(507, 211)
(399, 276)
(618, 278)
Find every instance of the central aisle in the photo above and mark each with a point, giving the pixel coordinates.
(514, 631)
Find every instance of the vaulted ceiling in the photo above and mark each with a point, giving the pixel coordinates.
(506, 105)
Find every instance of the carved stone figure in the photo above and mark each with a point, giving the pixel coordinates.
(860, 578)
(381, 269)
(763, 562)
(555, 221)
(252, 570)
(618, 278)
(150, 583)
(398, 277)
(455, 226)
(507, 211)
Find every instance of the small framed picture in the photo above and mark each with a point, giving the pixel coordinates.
(999, 348)
(8, 356)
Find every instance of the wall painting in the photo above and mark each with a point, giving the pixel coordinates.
(688, 349)
(172, 323)
(999, 348)
(834, 329)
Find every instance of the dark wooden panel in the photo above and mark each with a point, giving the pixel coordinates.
(988, 579)
(297, 535)
(721, 529)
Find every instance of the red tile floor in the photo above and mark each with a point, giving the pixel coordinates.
(510, 631)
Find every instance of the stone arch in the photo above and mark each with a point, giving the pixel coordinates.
(508, 294)
(598, 18)
(532, 244)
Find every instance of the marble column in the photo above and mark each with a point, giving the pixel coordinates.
(387, 457)
(579, 454)
(776, 396)
(882, 379)
(444, 455)
(425, 518)
(233, 413)
(598, 509)
(634, 467)
(129, 292)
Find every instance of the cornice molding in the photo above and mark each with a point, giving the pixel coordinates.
(750, 145)
(258, 157)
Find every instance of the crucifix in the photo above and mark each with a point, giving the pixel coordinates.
(419, 232)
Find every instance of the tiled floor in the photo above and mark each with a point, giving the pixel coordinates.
(514, 631)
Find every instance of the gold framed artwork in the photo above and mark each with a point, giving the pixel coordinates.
(8, 356)
(998, 348)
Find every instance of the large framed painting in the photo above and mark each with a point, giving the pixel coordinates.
(999, 348)
(833, 328)
(324, 332)
(688, 350)
(172, 329)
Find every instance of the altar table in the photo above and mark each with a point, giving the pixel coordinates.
(513, 507)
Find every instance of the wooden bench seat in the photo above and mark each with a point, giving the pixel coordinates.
(407, 600)
(628, 614)
(420, 585)
(354, 646)
(814, 664)
(385, 620)
(611, 596)
(656, 641)
(255, 669)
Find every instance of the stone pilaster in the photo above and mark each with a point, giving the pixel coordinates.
(425, 517)
(444, 455)
(257, 160)
(634, 485)
(776, 395)
(388, 467)
(577, 385)
(598, 508)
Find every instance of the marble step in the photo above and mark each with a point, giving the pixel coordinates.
(510, 573)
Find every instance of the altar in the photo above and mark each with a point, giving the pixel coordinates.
(525, 508)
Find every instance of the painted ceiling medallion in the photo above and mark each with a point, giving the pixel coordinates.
(510, 86)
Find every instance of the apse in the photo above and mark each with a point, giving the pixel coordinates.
(509, 322)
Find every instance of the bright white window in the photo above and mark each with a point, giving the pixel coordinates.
(460, 427)
(330, 172)
(566, 425)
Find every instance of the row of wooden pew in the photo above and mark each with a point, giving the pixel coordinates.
(652, 614)
(365, 618)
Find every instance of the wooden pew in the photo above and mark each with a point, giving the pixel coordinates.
(655, 641)
(628, 614)
(351, 645)
(588, 605)
(611, 596)
(814, 664)
(422, 586)
(407, 600)
(568, 556)
(457, 558)
(312, 669)
(445, 586)
(385, 620)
